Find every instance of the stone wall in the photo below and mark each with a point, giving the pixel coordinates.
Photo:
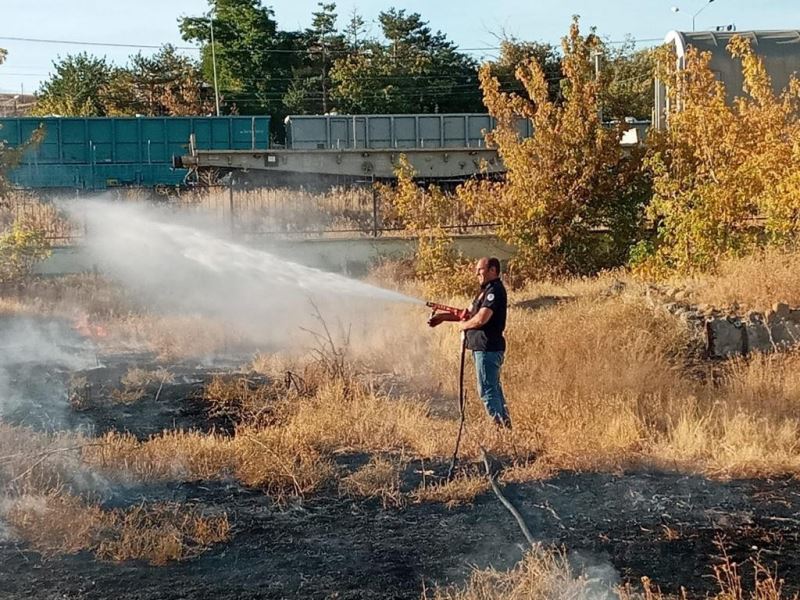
(775, 330)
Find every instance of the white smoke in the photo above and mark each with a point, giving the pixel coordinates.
(35, 355)
(177, 264)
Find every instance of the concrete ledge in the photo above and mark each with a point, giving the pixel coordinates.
(776, 330)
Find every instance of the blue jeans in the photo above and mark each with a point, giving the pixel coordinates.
(487, 368)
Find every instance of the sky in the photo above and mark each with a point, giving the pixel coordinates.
(472, 24)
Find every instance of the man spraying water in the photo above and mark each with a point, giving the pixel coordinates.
(483, 327)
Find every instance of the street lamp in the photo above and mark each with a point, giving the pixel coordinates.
(214, 60)
(702, 8)
(675, 9)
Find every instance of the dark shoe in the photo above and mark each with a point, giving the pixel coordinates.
(504, 422)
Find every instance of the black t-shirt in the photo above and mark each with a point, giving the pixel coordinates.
(489, 338)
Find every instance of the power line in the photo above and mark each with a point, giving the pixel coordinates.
(85, 43)
(263, 50)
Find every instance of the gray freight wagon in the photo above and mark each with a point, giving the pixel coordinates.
(446, 147)
(342, 132)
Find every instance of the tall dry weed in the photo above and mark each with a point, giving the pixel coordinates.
(544, 574)
(540, 575)
(754, 282)
(161, 533)
(379, 478)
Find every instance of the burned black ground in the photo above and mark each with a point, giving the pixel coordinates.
(663, 526)
(669, 527)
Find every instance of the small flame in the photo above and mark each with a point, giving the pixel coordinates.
(86, 328)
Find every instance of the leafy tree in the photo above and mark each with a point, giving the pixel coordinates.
(166, 83)
(629, 74)
(355, 30)
(254, 59)
(725, 176)
(424, 213)
(514, 53)
(10, 157)
(416, 70)
(309, 91)
(20, 249)
(568, 180)
(3, 148)
(323, 28)
(75, 89)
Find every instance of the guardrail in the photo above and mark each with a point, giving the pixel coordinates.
(282, 213)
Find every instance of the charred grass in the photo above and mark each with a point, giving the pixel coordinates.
(159, 533)
(544, 574)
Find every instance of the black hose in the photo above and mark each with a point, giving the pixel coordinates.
(461, 408)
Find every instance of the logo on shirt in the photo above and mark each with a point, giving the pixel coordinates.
(489, 297)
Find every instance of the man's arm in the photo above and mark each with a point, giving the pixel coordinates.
(478, 320)
(441, 318)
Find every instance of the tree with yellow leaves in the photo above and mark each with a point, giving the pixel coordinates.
(572, 196)
(726, 176)
(424, 213)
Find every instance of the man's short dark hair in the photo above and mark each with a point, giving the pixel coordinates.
(493, 263)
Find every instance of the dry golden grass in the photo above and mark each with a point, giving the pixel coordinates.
(135, 385)
(379, 478)
(755, 282)
(288, 210)
(548, 574)
(540, 575)
(462, 489)
(593, 383)
(271, 458)
(595, 379)
(243, 400)
(56, 523)
(169, 337)
(63, 524)
(768, 381)
(39, 463)
(38, 214)
(160, 533)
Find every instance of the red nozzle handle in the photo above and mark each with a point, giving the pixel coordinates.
(461, 313)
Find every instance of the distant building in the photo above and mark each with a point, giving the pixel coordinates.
(780, 51)
(16, 105)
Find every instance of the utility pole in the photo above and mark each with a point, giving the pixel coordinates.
(214, 60)
(596, 54)
(324, 76)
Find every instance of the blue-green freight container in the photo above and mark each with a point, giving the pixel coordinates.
(101, 152)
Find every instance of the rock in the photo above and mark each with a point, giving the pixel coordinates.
(785, 333)
(724, 338)
(673, 307)
(757, 334)
(781, 310)
(617, 287)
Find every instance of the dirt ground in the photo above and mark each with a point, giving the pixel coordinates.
(666, 526)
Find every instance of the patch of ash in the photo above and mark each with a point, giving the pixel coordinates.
(597, 576)
(36, 356)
